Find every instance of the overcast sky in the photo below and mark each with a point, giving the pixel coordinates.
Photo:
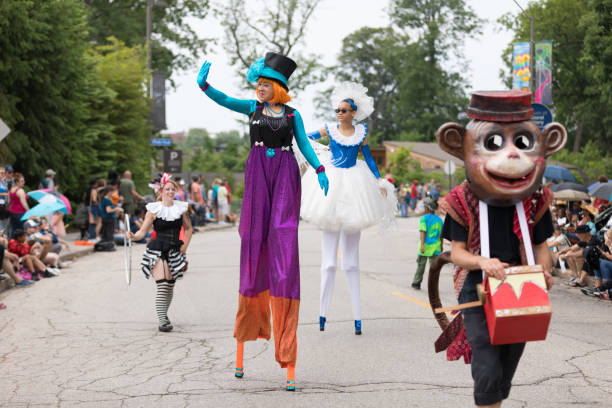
(187, 107)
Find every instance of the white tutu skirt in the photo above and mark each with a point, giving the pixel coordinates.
(354, 200)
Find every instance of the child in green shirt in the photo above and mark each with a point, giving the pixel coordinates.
(430, 241)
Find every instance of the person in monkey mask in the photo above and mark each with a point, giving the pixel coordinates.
(505, 156)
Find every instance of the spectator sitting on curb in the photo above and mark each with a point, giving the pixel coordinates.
(557, 243)
(587, 245)
(35, 266)
(6, 261)
(40, 244)
(56, 243)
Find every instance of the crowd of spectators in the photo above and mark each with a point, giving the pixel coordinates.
(101, 217)
(29, 245)
(582, 245)
(411, 196)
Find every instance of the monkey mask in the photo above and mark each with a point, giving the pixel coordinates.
(503, 151)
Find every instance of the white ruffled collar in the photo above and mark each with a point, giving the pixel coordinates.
(168, 213)
(361, 131)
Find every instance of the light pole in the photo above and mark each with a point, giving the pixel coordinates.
(531, 52)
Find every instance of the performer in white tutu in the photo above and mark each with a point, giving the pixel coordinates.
(357, 199)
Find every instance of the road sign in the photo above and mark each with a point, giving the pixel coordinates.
(173, 161)
(542, 116)
(449, 167)
(4, 130)
(161, 142)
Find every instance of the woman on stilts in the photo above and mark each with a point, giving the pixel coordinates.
(358, 198)
(164, 258)
(269, 262)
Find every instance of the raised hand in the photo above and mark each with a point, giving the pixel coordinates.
(203, 74)
(323, 182)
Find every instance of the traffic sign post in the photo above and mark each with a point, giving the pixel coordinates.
(160, 142)
(173, 161)
(449, 169)
(542, 116)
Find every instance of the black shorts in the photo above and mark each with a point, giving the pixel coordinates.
(492, 366)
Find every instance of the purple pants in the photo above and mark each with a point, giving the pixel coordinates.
(269, 261)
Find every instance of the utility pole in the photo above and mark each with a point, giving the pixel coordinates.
(531, 53)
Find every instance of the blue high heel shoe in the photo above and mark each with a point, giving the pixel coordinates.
(322, 320)
(358, 327)
(290, 386)
(239, 372)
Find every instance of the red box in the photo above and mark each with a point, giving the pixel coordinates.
(517, 309)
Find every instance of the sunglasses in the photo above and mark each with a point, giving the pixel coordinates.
(343, 110)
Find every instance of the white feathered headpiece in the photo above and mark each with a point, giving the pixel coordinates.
(356, 92)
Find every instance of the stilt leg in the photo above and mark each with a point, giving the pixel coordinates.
(290, 378)
(239, 360)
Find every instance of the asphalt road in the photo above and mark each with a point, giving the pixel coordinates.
(85, 339)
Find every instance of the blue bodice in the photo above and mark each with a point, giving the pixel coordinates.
(344, 149)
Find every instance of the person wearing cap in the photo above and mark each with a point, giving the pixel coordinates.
(587, 250)
(504, 153)
(430, 239)
(358, 198)
(269, 261)
(48, 182)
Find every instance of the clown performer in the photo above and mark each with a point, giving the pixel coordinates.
(269, 262)
(498, 217)
(357, 199)
(164, 257)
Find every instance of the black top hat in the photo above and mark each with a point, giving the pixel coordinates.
(281, 64)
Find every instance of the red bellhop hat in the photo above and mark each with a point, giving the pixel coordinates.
(501, 106)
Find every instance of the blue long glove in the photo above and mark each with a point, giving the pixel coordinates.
(314, 135)
(203, 74)
(245, 106)
(307, 151)
(367, 155)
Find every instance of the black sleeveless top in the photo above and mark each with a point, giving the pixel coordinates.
(167, 234)
(273, 132)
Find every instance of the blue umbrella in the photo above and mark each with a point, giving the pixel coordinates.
(43, 209)
(558, 173)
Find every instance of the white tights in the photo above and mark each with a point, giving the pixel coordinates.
(349, 246)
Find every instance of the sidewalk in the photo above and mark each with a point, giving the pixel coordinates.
(76, 251)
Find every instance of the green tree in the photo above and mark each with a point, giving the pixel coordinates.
(404, 167)
(123, 70)
(412, 97)
(591, 159)
(175, 45)
(582, 84)
(44, 95)
(253, 30)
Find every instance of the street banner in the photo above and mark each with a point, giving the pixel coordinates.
(159, 100)
(521, 59)
(543, 72)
